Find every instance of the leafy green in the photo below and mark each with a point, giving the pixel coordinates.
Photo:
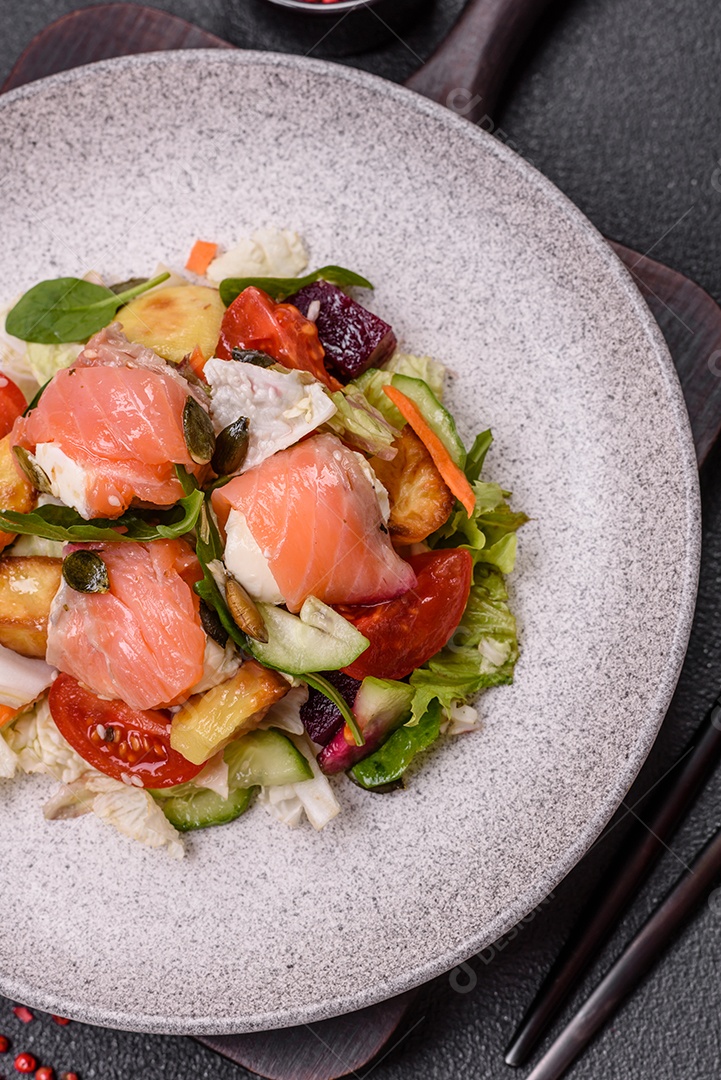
(47, 360)
(371, 384)
(209, 549)
(418, 367)
(388, 763)
(281, 288)
(482, 652)
(64, 310)
(359, 423)
(477, 454)
(490, 533)
(372, 381)
(66, 525)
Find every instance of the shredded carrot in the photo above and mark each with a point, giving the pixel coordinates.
(201, 256)
(442, 460)
(197, 362)
(6, 714)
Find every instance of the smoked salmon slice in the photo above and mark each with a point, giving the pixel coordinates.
(109, 430)
(142, 641)
(313, 512)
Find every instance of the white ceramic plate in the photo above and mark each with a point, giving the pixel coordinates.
(480, 262)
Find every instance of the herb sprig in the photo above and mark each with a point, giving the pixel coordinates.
(282, 288)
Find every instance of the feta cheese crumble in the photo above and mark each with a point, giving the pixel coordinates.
(281, 408)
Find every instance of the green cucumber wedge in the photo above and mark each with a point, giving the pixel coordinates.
(437, 418)
(318, 639)
(265, 758)
(200, 808)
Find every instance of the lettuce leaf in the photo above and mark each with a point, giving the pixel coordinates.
(361, 424)
(482, 652)
(418, 367)
(490, 532)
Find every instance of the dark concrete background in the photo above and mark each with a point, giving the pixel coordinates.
(618, 102)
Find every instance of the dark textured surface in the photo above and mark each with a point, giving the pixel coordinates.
(617, 102)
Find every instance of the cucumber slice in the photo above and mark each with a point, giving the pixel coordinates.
(319, 639)
(267, 758)
(437, 418)
(200, 808)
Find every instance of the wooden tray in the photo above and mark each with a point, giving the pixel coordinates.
(476, 57)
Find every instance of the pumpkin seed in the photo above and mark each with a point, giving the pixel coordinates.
(86, 572)
(231, 447)
(198, 432)
(37, 476)
(253, 356)
(244, 611)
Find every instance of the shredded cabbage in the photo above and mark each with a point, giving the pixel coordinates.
(287, 802)
(360, 424)
(130, 810)
(40, 748)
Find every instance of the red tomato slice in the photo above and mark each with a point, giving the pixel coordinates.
(405, 632)
(119, 741)
(12, 404)
(255, 321)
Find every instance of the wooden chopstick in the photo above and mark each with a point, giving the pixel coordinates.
(635, 962)
(656, 818)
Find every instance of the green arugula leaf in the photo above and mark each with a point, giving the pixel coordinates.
(68, 309)
(64, 524)
(387, 764)
(209, 548)
(281, 288)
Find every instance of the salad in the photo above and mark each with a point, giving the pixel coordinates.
(244, 548)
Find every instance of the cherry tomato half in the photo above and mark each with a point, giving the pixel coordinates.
(12, 404)
(116, 739)
(255, 321)
(405, 632)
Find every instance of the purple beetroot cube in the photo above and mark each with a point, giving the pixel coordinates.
(321, 718)
(354, 338)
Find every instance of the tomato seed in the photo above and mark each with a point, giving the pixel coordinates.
(25, 1063)
(4, 1044)
(23, 1014)
(45, 1073)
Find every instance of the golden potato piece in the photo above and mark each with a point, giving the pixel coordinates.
(175, 320)
(420, 498)
(27, 587)
(15, 491)
(207, 721)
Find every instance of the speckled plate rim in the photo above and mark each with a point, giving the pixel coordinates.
(324, 1007)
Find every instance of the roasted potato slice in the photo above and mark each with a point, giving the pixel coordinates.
(207, 721)
(15, 491)
(174, 320)
(27, 587)
(420, 499)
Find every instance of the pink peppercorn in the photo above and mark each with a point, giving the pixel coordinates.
(23, 1014)
(25, 1063)
(60, 1020)
(45, 1073)
(69, 1076)
(4, 1044)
